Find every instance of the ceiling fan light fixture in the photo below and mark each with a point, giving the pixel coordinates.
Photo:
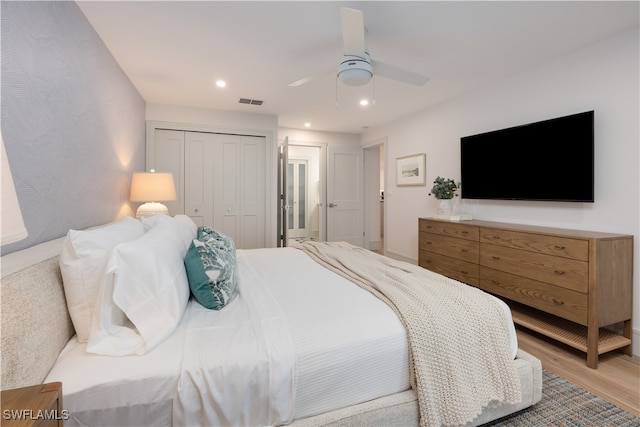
(355, 71)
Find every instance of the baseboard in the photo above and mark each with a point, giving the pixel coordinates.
(400, 257)
(375, 245)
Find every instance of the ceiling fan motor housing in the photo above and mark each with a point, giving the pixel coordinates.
(355, 70)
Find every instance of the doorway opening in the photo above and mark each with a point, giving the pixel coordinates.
(302, 215)
(375, 179)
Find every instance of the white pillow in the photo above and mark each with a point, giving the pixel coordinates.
(144, 291)
(82, 262)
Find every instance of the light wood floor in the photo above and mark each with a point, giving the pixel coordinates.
(617, 379)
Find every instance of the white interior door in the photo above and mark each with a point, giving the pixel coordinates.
(283, 227)
(198, 177)
(345, 189)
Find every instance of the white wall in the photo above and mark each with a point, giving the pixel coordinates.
(222, 120)
(311, 136)
(603, 77)
(72, 122)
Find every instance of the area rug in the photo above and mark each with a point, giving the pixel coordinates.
(565, 404)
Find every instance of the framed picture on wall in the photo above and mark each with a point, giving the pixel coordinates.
(410, 170)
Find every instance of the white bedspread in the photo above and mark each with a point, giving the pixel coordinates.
(348, 347)
(239, 367)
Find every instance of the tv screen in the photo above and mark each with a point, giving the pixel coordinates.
(551, 160)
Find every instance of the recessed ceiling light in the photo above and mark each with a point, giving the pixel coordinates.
(307, 125)
(364, 102)
(221, 83)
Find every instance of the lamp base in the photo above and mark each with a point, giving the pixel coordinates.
(150, 209)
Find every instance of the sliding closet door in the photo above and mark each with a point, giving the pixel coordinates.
(239, 189)
(198, 178)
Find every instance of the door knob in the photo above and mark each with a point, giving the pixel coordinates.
(333, 205)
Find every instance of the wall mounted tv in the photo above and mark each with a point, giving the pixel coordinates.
(551, 160)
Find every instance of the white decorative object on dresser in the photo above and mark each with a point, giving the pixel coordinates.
(566, 284)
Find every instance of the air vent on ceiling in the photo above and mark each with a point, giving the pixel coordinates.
(250, 101)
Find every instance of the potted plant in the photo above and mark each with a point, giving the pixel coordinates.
(444, 189)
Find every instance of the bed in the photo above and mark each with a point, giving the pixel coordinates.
(297, 344)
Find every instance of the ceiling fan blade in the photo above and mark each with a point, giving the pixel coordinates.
(399, 74)
(353, 31)
(312, 77)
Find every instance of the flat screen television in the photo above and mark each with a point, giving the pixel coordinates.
(551, 160)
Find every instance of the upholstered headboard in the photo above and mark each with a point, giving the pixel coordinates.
(34, 321)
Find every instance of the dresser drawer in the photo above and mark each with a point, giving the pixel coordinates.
(562, 272)
(462, 271)
(452, 229)
(551, 245)
(465, 250)
(565, 303)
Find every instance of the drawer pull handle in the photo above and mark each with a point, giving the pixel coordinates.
(495, 237)
(558, 302)
(495, 257)
(559, 247)
(495, 282)
(463, 272)
(558, 273)
(465, 232)
(464, 250)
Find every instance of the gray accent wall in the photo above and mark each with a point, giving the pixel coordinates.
(72, 122)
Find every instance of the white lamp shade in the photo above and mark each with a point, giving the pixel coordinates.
(13, 228)
(152, 187)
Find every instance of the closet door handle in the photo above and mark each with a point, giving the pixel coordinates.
(333, 205)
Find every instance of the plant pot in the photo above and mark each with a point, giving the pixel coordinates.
(445, 207)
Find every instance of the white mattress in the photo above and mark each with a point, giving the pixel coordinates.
(349, 348)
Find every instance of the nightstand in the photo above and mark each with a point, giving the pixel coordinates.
(39, 405)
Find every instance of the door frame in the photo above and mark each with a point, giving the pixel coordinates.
(367, 189)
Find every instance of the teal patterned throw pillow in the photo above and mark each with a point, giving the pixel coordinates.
(212, 269)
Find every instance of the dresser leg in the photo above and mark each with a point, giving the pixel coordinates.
(593, 334)
(627, 332)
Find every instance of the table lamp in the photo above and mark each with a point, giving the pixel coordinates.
(152, 188)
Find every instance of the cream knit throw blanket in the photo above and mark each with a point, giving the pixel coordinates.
(458, 337)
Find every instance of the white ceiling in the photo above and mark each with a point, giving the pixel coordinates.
(174, 51)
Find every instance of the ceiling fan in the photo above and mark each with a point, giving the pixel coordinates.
(356, 66)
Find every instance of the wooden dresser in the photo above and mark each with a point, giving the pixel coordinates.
(38, 405)
(566, 284)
